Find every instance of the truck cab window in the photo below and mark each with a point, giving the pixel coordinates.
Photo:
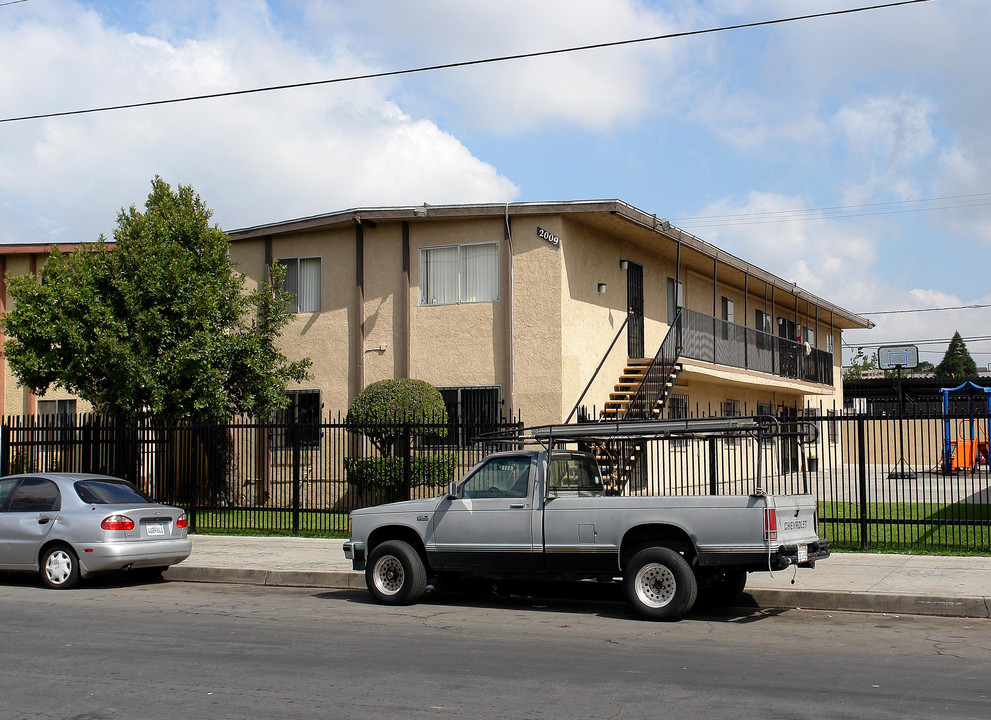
(500, 478)
(574, 473)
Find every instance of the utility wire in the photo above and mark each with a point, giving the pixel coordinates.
(11, 2)
(921, 310)
(934, 341)
(466, 63)
(948, 202)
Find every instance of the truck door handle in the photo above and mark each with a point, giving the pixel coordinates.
(517, 506)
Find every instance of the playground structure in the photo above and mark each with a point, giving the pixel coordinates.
(970, 445)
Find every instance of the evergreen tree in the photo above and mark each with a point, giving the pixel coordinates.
(957, 362)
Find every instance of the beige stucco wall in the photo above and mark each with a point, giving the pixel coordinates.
(459, 344)
(561, 325)
(537, 319)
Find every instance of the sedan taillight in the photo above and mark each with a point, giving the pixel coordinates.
(117, 522)
(181, 521)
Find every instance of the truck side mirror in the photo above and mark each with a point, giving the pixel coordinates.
(452, 489)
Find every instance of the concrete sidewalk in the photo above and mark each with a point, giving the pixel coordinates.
(912, 584)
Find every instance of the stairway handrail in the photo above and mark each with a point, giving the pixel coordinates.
(673, 337)
(601, 363)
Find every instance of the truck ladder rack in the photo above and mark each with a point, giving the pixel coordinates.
(761, 427)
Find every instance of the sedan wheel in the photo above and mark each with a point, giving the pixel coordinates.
(60, 567)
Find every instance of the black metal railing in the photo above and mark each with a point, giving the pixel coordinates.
(710, 339)
(645, 404)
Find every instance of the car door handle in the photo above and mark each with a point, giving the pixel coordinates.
(44, 520)
(517, 506)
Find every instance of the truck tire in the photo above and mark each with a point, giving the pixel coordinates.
(659, 584)
(395, 574)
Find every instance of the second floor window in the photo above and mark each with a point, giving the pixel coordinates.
(454, 274)
(303, 283)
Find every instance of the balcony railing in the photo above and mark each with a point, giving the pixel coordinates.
(707, 338)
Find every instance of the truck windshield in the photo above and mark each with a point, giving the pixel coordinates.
(574, 472)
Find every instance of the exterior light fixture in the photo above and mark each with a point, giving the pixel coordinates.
(602, 288)
(624, 264)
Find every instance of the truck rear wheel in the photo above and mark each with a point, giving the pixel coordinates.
(395, 574)
(659, 584)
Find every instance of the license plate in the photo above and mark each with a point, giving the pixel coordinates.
(155, 529)
(803, 553)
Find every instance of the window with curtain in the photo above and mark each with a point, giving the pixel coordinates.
(455, 274)
(303, 283)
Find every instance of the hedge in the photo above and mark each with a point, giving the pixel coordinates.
(387, 472)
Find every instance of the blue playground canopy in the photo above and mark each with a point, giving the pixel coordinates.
(971, 389)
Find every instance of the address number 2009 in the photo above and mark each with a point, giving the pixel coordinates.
(548, 236)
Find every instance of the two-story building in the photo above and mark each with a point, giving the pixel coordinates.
(28, 259)
(551, 310)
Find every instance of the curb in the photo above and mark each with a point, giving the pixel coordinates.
(965, 607)
(968, 607)
(338, 580)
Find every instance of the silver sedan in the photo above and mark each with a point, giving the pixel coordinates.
(71, 525)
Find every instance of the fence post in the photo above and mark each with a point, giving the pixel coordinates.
(407, 490)
(713, 470)
(297, 462)
(862, 469)
(4, 449)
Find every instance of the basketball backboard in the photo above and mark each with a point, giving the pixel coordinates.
(894, 357)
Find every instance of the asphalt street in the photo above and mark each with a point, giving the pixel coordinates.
(120, 649)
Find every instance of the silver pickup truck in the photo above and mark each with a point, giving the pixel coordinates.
(545, 513)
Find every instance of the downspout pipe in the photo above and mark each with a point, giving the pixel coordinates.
(510, 327)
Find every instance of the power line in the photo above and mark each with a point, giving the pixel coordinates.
(949, 202)
(921, 310)
(11, 2)
(466, 63)
(934, 341)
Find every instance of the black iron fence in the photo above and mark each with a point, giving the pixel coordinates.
(252, 477)
(881, 483)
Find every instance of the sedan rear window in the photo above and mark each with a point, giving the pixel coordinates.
(108, 492)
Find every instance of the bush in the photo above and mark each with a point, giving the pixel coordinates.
(383, 407)
(387, 472)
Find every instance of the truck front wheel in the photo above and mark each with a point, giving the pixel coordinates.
(395, 574)
(659, 584)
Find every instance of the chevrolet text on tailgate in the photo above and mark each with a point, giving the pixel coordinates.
(543, 511)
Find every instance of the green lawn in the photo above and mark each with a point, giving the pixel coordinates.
(271, 523)
(909, 527)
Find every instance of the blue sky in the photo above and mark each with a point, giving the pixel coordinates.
(848, 154)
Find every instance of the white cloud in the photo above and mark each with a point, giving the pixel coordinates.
(830, 258)
(253, 159)
(890, 135)
(597, 89)
(963, 173)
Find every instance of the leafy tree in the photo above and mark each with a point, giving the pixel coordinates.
(862, 366)
(159, 324)
(957, 362)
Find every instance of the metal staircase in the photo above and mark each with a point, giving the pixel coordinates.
(641, 394)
